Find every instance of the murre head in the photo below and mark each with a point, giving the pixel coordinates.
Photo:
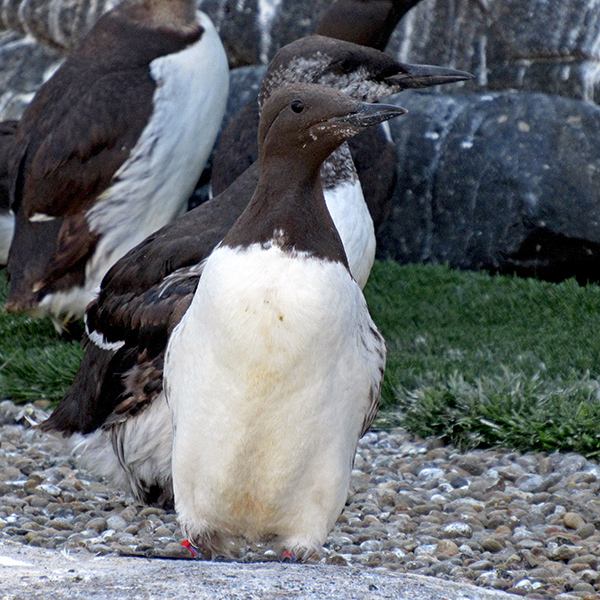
(300, 126)
(361, 72)
(312, 120)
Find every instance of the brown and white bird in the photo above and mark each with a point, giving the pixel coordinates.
(275, 370)
(110, 149)
(115, 412)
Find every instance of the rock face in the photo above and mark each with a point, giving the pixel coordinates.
(509, 182)
(24, 66)
(548, 46)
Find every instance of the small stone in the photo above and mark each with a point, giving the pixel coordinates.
(10, 474)
(98, 523)
(116, 522)
(457, 530)
(163, 531)
(471, 465)
(151, 510)
(487, 578)
(336, 559)
(60, 525)
(588, 575)
(563, 552)
(459, 482)
(582, 586)
(532, 484)
(38, 502)
(100, 549)
(48, 488)
(524, 584)
(370, 546)
(573, 520)
(429, 474)
(481, 565)
(175, 550)
(446, 548)
(585, 531)
(492, 544)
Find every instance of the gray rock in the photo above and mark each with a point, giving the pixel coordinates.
(24, 66)
(508, 182)
(116, 522)
(253, 30)
(457, 530)
(548, 46)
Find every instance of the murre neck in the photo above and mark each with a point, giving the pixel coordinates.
(288, 210)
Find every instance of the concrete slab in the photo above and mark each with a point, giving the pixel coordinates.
(28, 573)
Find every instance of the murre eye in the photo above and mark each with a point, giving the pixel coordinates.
(297, 106)
(346, 65)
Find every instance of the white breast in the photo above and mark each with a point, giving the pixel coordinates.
(153, 185)
(268, 381)
(144, 443)
(347, 207)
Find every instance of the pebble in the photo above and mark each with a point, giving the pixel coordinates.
(520, 522)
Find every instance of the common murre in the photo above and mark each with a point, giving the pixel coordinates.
(110, 149)
(115, 411)
(275, 370)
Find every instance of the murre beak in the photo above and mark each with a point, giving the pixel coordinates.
(419, 76)
(372, 114)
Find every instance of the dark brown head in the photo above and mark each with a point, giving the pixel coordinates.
(300, 125)
(312, 120)
(363, 73)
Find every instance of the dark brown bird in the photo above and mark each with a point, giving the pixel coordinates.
(110, 149)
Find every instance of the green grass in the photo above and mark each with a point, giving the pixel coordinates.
(472, 359)
(481, 360)
(34, 362)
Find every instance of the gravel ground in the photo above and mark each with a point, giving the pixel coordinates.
(523, 523)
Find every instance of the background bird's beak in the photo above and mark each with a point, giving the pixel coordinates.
(419, 76)
(372, 114)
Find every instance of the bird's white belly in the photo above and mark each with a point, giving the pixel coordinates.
(145, 445)
(350, 214)
(152, 187)
(267, 392)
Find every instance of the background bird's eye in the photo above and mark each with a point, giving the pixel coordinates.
(297, 106)
(346, 65)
